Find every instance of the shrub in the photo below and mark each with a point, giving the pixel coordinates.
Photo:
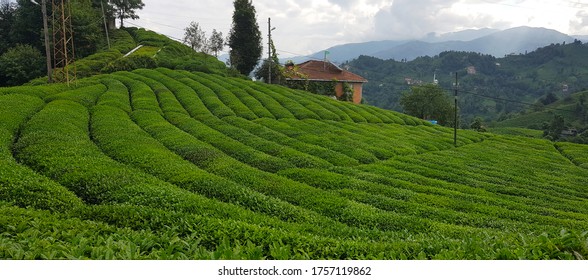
(130, 63)
(20, 64)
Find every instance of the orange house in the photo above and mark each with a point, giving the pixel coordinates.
(325, 71)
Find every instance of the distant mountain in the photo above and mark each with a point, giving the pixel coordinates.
(464, 35)
(341, 53)
(512, 41)
(486, 41)
(583, 38)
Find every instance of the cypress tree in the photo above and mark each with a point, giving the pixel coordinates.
(245, 38)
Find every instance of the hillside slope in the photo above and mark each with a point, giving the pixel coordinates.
(166, 164)
(490, 87)
(572, 108)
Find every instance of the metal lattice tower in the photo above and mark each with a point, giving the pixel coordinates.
(63, 44)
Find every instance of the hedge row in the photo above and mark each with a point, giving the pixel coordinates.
(123, 140)
(116, 95)
(56, 143)
(291, 129)
(410, 203)
(311, 104)
(227, 96)
(332, 157)
(241, 91)
(299, 111)
(21, 186)
(86, 96)
(577, 153)
(379, 148)
(202, 100)
(234, 148)
(210, 159)
(275, 108)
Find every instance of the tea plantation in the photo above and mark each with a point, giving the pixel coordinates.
(170, 164)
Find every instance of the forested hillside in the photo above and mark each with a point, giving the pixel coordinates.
(490, 87)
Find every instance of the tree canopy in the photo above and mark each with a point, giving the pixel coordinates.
(20, 64)
(428, 102)
(245, 38)
(127, 9)
(195, 37)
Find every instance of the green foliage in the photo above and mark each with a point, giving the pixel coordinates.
(121, 40)
(126, 9)
(167, 164)
(87, 27)
(520, 78)
(27, 26)
(130, 63)
(428, 102)
(577, 153)
(195, 37)
(20, 64)
(555, 128)
(7, 17)
(244, 37)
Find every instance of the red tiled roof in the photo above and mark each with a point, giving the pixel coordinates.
(316, 70)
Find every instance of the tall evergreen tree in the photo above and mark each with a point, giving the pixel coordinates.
(245, 38)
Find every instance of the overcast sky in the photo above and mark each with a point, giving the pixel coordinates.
(306, 26)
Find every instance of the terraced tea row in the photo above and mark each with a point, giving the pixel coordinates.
(173, 164)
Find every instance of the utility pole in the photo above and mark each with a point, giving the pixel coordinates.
(63, 44)
(105, 25)
(269, 50)
(47, 46)
(455, 108)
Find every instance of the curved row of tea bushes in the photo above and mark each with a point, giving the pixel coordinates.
(327, 103)
(228, 97)
(21, 186)
(240, 135)
(496, 173)
(205, 133)
(36, 91)
(290, 129)
(55, 142)
(316, 107)
(123, 140)
(268, 103)
(520, 208)
(403, 201)
(241, 92)
(281, 193)
(294, 157)
(380, 149)
(212, 160)
(332, 157)
(300, 112)
(517, 207)
(577, 153)
(116, 95)
(86, 96)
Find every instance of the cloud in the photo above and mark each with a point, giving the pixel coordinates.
(406, 19)
(307, 26)
(579, 26)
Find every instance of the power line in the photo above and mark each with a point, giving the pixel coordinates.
(500, 99)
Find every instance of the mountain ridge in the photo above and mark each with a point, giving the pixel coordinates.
(494, 42)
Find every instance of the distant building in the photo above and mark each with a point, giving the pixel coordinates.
(325, 71)
(472, 70)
